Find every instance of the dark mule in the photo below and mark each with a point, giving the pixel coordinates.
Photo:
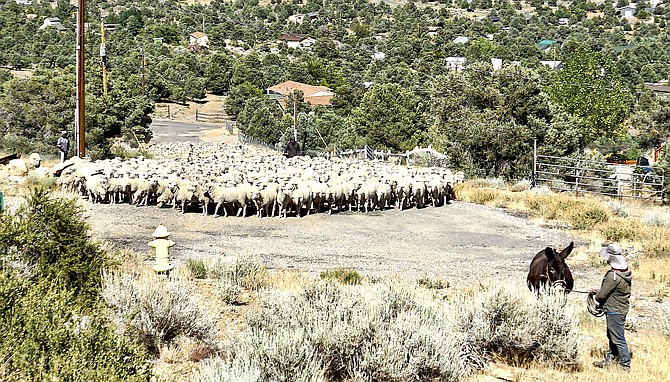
(549, 268)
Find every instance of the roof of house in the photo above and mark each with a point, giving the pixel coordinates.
(198, 35)
(286, 87)
(316, 95)
(544, 44)
(658, 88)
(293, 36)
(461, 40)
(629, 6)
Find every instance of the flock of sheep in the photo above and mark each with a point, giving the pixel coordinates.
(230, 179)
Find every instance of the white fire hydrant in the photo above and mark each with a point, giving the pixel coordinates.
(162, 245)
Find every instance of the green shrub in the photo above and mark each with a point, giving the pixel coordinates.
(47, 336)
(621, 229)
(346, 276)
(429, 283)
(244, 271)
(51, 320)
(49, 235)
(587, 219)
(197, 267)
(157, 311)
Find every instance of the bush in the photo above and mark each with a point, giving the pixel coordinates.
(551, 206)
(618, 209)
(49, 236)
(50, 318)
(621, 229)
(332, 332)
(387, 332)
(583, 220)
(433, 284)
(47, 336)
(197, 267)
(519, 327)
(346, 276)
(242, 271)
(657, 219)
(157, 311)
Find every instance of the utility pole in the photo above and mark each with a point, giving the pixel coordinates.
(103, 57)
(80, 115)
(203, 24)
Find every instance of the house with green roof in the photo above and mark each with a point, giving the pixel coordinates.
(545, 45)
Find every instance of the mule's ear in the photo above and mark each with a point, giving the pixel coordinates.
(567, 250)
(549, 253)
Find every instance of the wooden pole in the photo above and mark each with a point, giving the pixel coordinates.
(80, 118)
(103, 57)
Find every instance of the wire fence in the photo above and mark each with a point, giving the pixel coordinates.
(424, 156)
(602, 178)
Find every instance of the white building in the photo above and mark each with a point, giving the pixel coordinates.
(455, 63)
(53, 22)
(628, 11)
(198, 39)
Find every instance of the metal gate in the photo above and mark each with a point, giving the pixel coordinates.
(603, 178)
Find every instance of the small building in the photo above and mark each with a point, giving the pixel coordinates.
(432, 31)
(24, 2)
(461, 40)
(629, 11)
(553, 64)
(299, 18)
(297, 40)
(454, 63)
(379, 56)
(563, 21)
(315, 95)
(496, 63)
(53, 22)
(198, 39)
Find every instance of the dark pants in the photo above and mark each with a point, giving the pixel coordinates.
(617, 340)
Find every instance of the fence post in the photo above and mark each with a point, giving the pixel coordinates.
(533, 177)
(169, 117)
(196, 115)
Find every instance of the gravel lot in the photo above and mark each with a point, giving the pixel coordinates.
(462, 243)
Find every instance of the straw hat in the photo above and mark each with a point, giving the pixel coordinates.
(612, 254)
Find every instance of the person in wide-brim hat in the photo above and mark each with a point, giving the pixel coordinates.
(614, 257)
(614, 299)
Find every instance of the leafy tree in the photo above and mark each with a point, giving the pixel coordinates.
(217, 73)
(589, 87)
(390, 117)
(259, 119)
(239, 95)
